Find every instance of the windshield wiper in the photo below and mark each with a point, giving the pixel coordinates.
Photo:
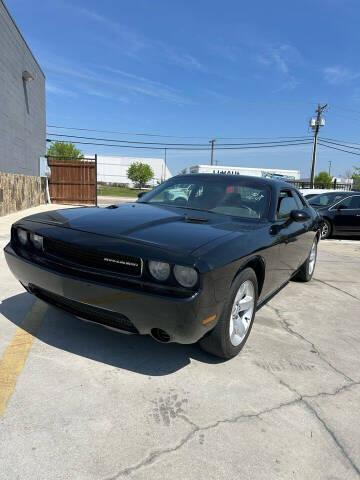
(178, 206)
(198, 209)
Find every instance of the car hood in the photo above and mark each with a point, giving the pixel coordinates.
(165, 227)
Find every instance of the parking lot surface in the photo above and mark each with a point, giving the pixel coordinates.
(78, 401)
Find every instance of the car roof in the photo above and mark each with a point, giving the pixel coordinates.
(275, 184)
(341, 192)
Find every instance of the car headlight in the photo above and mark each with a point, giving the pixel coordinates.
(36, 240)
(186, 276)
(159, 270)
(22, 236)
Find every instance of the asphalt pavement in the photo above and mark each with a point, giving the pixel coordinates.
(78, 401)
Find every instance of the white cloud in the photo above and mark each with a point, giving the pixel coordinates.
(281, 57)
(59, 91)
(338, 74)
(94, 92)
(136, 45)
(148, 90)
(289, 83)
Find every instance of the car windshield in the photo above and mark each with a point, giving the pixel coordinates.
(237, 198)
(326, 199)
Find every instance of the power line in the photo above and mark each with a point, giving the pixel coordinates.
(337, 140)
(346, 109)
(177, 148)
(341, 149)
(340, 144)
(345, 116)
(165, 135)
(128, 141)
(171, 144)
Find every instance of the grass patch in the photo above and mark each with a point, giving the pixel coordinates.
(108, 191)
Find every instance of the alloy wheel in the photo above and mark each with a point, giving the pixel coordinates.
(242, 312)
(324, 230)
(312, 257)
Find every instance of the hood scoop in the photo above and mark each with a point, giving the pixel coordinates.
(111, 207)
(195, 219)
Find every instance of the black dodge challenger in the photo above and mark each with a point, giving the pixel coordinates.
(190, 261)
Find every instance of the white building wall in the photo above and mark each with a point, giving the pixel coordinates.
(255, 172)
(114, 169)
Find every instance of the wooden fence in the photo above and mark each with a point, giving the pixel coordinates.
(73, 180)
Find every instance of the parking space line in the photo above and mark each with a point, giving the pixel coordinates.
(13, 360)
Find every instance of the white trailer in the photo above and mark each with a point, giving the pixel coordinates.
(254, 172)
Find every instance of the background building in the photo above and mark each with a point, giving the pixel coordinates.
(113, 169)
(255, 172)
(22, 119)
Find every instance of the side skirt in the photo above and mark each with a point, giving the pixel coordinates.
(272, 295)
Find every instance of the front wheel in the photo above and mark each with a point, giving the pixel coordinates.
(233, 328)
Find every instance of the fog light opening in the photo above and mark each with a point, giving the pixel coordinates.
(160, 335)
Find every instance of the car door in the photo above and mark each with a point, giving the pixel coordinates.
(306, 234)
(346, 215)
(292, 244)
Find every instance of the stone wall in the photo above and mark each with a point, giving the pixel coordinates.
(20, 191)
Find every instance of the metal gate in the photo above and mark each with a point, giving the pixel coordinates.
(73, 180)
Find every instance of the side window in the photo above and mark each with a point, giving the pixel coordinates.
(355, 202)
(299, 201)
(286, 203)
(345, 203)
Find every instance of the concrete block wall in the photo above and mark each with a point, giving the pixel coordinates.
(20, 191)
(22, 104)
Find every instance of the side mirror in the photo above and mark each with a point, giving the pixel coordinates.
(299, 216)
(140, 194)
(341, 207)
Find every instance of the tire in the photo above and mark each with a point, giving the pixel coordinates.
(307, 269)
(326, 229)
(228, 338)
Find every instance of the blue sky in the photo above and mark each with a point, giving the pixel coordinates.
(190, 67)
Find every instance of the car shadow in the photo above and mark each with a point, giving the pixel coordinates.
(344, 237)
(137, 353)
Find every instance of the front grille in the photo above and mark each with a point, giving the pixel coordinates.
(93, 258)
(94, 314)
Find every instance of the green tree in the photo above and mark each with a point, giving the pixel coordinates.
(61, 149)
(140, 173)
(356, 178)
(323, 179)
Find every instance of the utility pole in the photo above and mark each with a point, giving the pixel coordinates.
(315, 125)
(165, 164)
(212, 151)
(329, 167)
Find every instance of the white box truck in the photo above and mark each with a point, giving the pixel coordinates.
(255, 172)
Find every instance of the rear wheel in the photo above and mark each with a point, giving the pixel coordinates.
(237, 317)
(326, 229)
(307, 269)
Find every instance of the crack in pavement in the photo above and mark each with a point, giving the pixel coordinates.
(333, 436)
(157, 453)
(302, 398)
(337, 288)
(291, 331)
(152, 456)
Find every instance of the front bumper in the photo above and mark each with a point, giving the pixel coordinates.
(181, 318)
